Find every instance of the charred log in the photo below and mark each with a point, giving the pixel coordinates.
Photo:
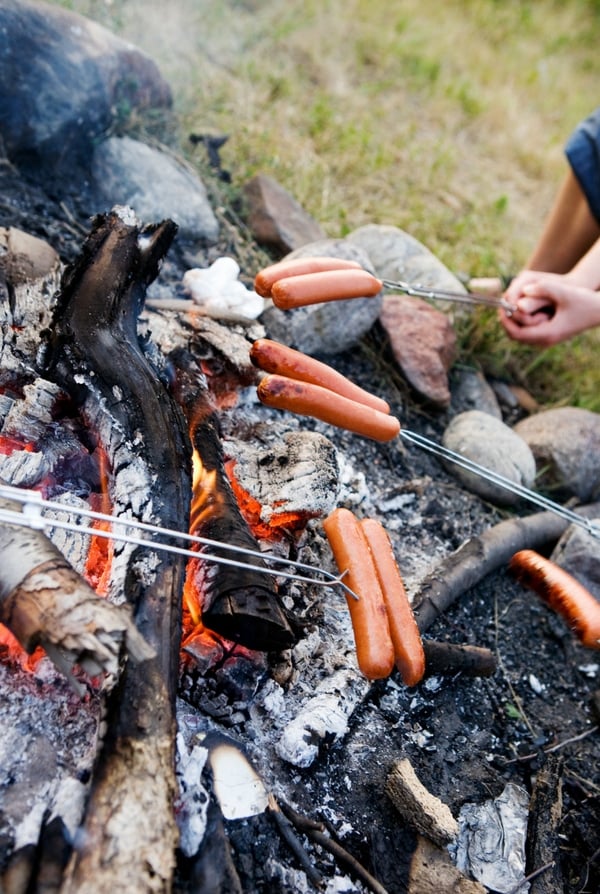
(93, 352)
(238, 603)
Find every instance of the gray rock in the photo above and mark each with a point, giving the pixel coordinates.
(155, 185)
(334, 326)
(396, 254)
(471, 391)
(67, 81)
(566, 445)
(276, 218)
(423, 343)
(492, 444)
(578, 552)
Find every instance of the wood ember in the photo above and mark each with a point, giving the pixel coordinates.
(432, 871)
(44, 601)
(420, 809)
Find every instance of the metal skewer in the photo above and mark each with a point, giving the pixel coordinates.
(32, 516)
(495, 478)
(441, 295)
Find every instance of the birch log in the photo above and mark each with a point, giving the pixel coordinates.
(45, 602)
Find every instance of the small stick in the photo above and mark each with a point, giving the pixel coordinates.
(285, 829)
(316, 832)
(452, 658)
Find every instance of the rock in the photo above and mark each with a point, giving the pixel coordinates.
(578, 552)
(397, 255)
(334, 326)
(67, 82)
(471, 391)
(566, 445)
(275, 218)
(25, 258)
(492, 444)
(423, 343)
(155, 185)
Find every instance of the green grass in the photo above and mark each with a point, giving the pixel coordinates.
(447, 120)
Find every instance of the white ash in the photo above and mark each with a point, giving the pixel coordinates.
(298, 474)
(24, 468)
(192, 800)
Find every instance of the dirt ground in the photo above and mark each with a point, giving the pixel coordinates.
(466, 738)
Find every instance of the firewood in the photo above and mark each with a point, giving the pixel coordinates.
(454, 658)
(543, 828)
(432, 871)
(44, 601)
(421, 810)
(483, 554)
(93, 352)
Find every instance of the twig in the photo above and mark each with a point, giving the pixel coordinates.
(531, 876)
(316, 831)
(286, 831)
(557, 747)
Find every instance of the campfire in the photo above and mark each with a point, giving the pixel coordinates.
(186, 703)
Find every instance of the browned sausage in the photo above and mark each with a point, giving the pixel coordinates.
(307, 399)
(561, 592)
(374, 648)
(408, 646)
(266, 279)
(328, 285)
(273, 357)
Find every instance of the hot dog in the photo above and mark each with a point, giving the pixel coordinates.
(408, 646)
(374, 648)
(307, 399)
(273, 357)
(265, 279)
(561, 592)
(327, 285)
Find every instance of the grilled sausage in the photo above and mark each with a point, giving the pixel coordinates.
(408, 646)
(374, 648)
(273, 357)
(266, 278)
(561, 592)
(307, 399)
(327, 285)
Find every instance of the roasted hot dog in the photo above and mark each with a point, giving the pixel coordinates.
(562, 592)
(307, 399)
(273, 357)
(374, 648)
(265, 279)
(408, 646)
(327, 285)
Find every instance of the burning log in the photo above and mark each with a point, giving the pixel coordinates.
(93, 352)
(238, 603)
(44, 601)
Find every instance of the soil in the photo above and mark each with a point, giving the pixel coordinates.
(466, 738)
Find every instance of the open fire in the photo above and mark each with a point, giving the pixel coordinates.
(216, 545)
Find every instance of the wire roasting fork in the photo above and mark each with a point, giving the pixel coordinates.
(419, 291)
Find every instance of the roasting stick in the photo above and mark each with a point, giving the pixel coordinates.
(34, 505)
(418, 291)
(495, 478)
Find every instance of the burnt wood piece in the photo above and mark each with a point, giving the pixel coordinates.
(452, 658)
(93, 352)
(238, 603)
(543, 828)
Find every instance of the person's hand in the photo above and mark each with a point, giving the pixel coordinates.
(549, 308)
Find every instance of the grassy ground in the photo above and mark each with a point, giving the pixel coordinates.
(447, 120)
